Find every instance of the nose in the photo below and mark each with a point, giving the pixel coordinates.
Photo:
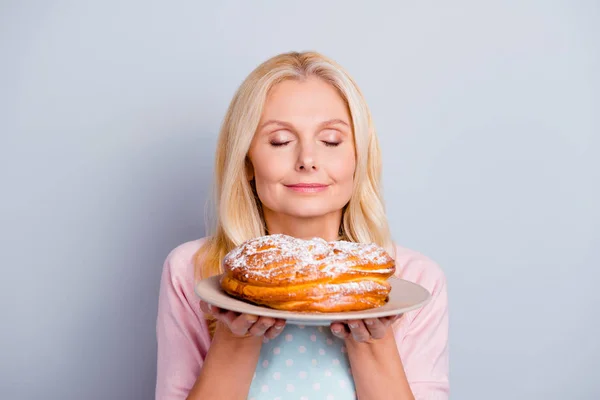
(306, 159)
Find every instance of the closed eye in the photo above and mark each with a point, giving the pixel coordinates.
(279, 144)
(331, 144)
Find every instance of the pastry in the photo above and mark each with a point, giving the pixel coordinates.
(285, 273)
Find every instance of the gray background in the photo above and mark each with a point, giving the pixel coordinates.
(489, 118)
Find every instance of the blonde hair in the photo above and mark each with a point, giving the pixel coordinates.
(238, 215)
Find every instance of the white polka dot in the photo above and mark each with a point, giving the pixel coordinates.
(322, 352)
(329, 342)
(289, 337)
(316, 386)
(265, 339)
(327, 372)
(277, 398)
(276, 375)
(330, 397)
(300, 326)
(303, 398)
(276, 350)
(343, 383)
(313, 338)
(335, 361)
(302, 349)
(265, 363)
(289, 362)
(314, 362)
(289, 387)
(302, 374)
(265, 388)
(344, 350)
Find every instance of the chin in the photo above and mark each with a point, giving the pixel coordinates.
(314, 207)
(307, 213)
(303, 210)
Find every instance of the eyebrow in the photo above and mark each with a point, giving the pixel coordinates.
(288, 125)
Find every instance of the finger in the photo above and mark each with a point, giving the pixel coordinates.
(216, 311)
(376, 327)
(228, 317)
(204, 307)
(240, 324)
(387, 321)
(276, 329)
(260, 327)
(359, 331)
(340, 330)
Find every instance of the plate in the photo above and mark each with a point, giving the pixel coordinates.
(405, 296)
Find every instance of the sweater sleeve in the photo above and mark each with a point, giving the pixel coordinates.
(423, 340)
(181, 330)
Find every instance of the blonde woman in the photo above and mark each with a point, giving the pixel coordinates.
(297, 155)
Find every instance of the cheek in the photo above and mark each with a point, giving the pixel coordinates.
(268, 170)
(265, 188)
(266, 165)
(267, 176)
(342, 170)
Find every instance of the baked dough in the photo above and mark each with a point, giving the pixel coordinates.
(285, 273)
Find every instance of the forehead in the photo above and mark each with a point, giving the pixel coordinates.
(309, 99)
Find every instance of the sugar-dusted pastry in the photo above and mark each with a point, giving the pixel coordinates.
(285, 273)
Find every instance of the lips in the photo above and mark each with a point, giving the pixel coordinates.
(308, 187)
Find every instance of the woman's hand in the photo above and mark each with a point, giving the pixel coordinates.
(363, 331)
(245, 325)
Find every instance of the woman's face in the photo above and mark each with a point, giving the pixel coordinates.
(302, 154)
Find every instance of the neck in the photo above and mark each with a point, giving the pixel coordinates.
(325, 227)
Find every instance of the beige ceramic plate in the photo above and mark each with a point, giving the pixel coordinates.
(405, 296)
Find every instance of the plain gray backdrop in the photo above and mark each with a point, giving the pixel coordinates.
(489, 119)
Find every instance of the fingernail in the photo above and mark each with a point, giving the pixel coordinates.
(278, 327)
(251, 318)
(369, 322)
(336, 330)
(353, 325)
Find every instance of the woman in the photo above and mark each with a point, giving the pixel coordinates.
(298, 155)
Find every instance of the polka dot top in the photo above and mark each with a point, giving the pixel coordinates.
(303, 363)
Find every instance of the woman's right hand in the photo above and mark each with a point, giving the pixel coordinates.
(244, 325)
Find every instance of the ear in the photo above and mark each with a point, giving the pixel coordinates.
(249, 169)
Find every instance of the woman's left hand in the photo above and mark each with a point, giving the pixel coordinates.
(365, 330)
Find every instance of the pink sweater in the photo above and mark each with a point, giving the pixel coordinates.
(183, 338)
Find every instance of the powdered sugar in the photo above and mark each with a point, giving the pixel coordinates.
(271, 257)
